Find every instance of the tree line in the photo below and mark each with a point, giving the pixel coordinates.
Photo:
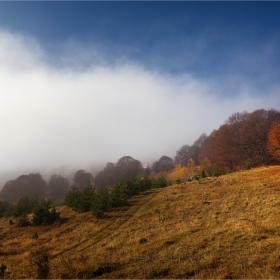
(96, 200)
(58, 186)
(124, 168)
(245, 140)
(100, 200)
(32, 185)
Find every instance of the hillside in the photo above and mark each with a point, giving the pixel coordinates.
(225, 227)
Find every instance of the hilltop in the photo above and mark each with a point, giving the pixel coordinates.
(224, 227)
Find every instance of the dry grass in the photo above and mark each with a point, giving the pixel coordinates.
(226, 227)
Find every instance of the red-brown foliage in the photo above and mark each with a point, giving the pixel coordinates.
(25, 185)
(273, 145)
(243, 138)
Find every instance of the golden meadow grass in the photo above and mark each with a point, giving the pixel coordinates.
(225, 227)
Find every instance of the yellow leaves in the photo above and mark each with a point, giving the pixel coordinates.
(184, 172)
(206, 165)
(191, 167)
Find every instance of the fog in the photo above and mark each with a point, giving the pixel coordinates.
(61, 118)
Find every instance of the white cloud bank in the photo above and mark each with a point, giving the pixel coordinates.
(53, 116)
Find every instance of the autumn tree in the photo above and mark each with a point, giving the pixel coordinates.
(205, 151)
(186, 152)
(196, 147)
(114, 172)
(191, 167)
(183, 155)
(206, 166)
(227, 144)
(179, 174)
(129, 166)
(242, 140)
(165, 163)
(273, 145)
(222, 149)
(82, 179)
(58, 187)
(256, 130)
(108, 176)
(30, 185)
(100, 179)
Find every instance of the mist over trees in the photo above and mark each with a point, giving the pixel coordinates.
(186, 152)
(245, 140)
(129, 166)
(82, 179)
(124, 168)
(30, 185)
(108, 176)
(204, 151)
(58, 187)
(165, 163)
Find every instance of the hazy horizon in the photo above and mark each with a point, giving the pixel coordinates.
(95, 81)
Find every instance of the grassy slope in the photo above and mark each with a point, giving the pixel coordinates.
(226, 227)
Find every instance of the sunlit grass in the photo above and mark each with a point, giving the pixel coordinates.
(225, 227)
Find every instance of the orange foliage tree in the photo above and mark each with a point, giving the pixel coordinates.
(255, 131)
(206, 166)
(183, 173)
(273, 145)
(242, 140)
(227, 147)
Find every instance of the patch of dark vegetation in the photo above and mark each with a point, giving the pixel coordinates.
(262, 237)
(169, 242)
(44, 213)
(190, 273)
(106, 268)
(159, 274)
(99, 201)
(229, 276)
(9, 253)
(143, 241)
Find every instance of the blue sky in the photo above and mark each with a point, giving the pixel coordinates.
(203, 38)
(89, 82)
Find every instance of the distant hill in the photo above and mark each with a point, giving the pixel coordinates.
(224, 227)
